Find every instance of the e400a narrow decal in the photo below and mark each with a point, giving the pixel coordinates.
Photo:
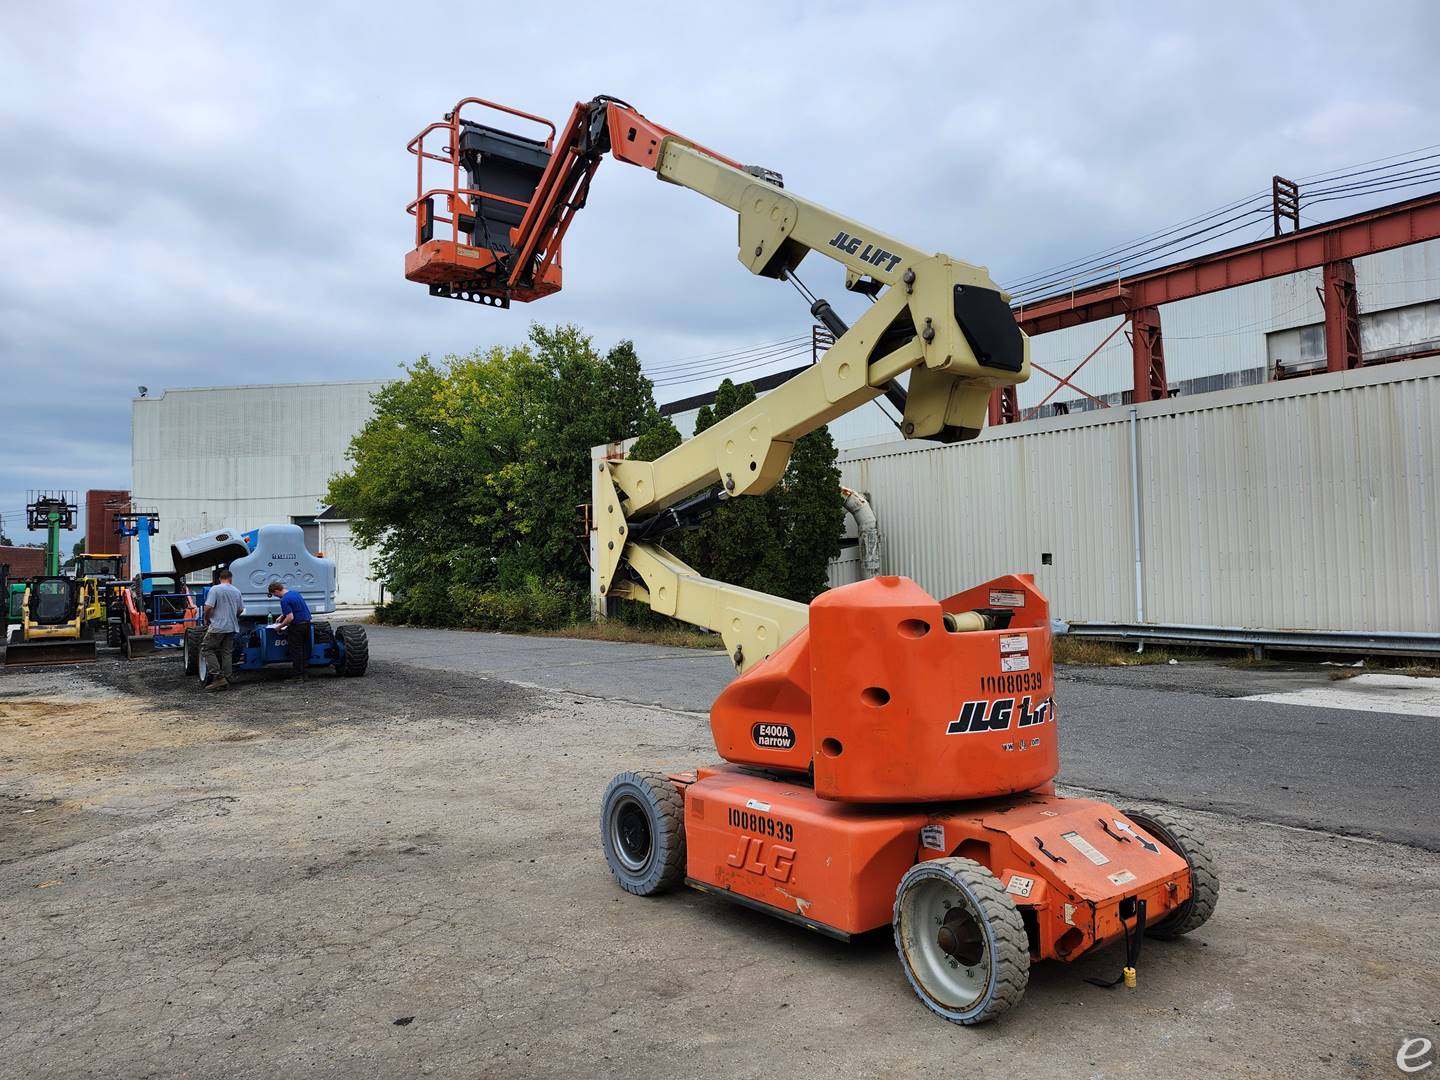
(998, 715)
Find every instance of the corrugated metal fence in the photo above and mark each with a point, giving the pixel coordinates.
(1309, 504)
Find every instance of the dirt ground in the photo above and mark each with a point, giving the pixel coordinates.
(400, 875)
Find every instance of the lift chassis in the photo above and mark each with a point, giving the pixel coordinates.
(888, 758)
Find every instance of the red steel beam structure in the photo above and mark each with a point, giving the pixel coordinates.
(1389, 227)
(1330, 245)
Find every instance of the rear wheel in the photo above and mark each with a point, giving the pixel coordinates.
(190, 649)
(961, 940)
(353, 652)
(642, 829)
(1176, 834)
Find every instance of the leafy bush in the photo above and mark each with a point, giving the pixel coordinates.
(514, 610)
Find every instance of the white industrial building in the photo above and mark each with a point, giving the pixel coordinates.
(242, 456)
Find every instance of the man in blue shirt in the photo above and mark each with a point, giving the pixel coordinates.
(295, 618)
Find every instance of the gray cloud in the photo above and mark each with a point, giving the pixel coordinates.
(198, 196)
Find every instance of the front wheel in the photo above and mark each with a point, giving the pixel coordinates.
(353, 651)
(1176, 834)
(961, 940)
(190, 649)
(642, 829)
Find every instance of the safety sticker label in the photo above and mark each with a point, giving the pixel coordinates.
(756, 804)
(1018, 662)
(1006, 598)
(1019, 886)
(1014, 643)
(933, 837)
(1121, 877)
(1089, 850)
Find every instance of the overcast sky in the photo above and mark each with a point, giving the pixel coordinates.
(198, 195)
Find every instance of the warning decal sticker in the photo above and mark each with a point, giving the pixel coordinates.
(1019, 886)
(1014, 643)
(1121, 877)
(1006, 598)
(933, 837)
(1089, 850)
(1019, 662)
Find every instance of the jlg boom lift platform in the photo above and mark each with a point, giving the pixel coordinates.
(889, 758)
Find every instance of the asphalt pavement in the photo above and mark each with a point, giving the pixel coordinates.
(1184, 734)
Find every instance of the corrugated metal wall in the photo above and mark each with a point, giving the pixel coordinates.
(1308, 504)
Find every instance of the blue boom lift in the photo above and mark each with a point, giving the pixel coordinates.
(255, 559)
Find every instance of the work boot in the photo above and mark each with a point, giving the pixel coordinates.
(217, 683)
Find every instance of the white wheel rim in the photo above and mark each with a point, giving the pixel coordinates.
(204, 668)
(945, 941)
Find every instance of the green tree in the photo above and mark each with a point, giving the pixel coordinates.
(812, 514)
(470, 473)
(661, 438)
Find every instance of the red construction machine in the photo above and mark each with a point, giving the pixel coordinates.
(888, 758)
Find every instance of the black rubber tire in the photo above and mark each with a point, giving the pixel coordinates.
(1180, 837)
(190, 649)
(354, 649)
(1008, 948)
(114, 635)
(652, 863)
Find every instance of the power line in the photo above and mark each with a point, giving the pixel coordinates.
(701, 361)
(1062, 268)
(1381, 174)
(731, 365)
(1327, 176)
(768, 361)
(665, 371)
(1149, 257)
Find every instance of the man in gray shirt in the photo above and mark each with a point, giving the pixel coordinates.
(222, 623)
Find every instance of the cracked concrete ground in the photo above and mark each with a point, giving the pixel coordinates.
(400, 875)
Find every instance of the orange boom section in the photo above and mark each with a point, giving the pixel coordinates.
(891, 705)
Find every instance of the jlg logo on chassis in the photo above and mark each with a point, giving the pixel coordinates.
(996, 715)
(753, 854)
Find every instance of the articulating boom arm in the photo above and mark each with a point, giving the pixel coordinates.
(941, 320)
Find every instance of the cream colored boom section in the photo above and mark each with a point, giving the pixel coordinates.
(752, 624)
(770, 215)
(912, 326)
